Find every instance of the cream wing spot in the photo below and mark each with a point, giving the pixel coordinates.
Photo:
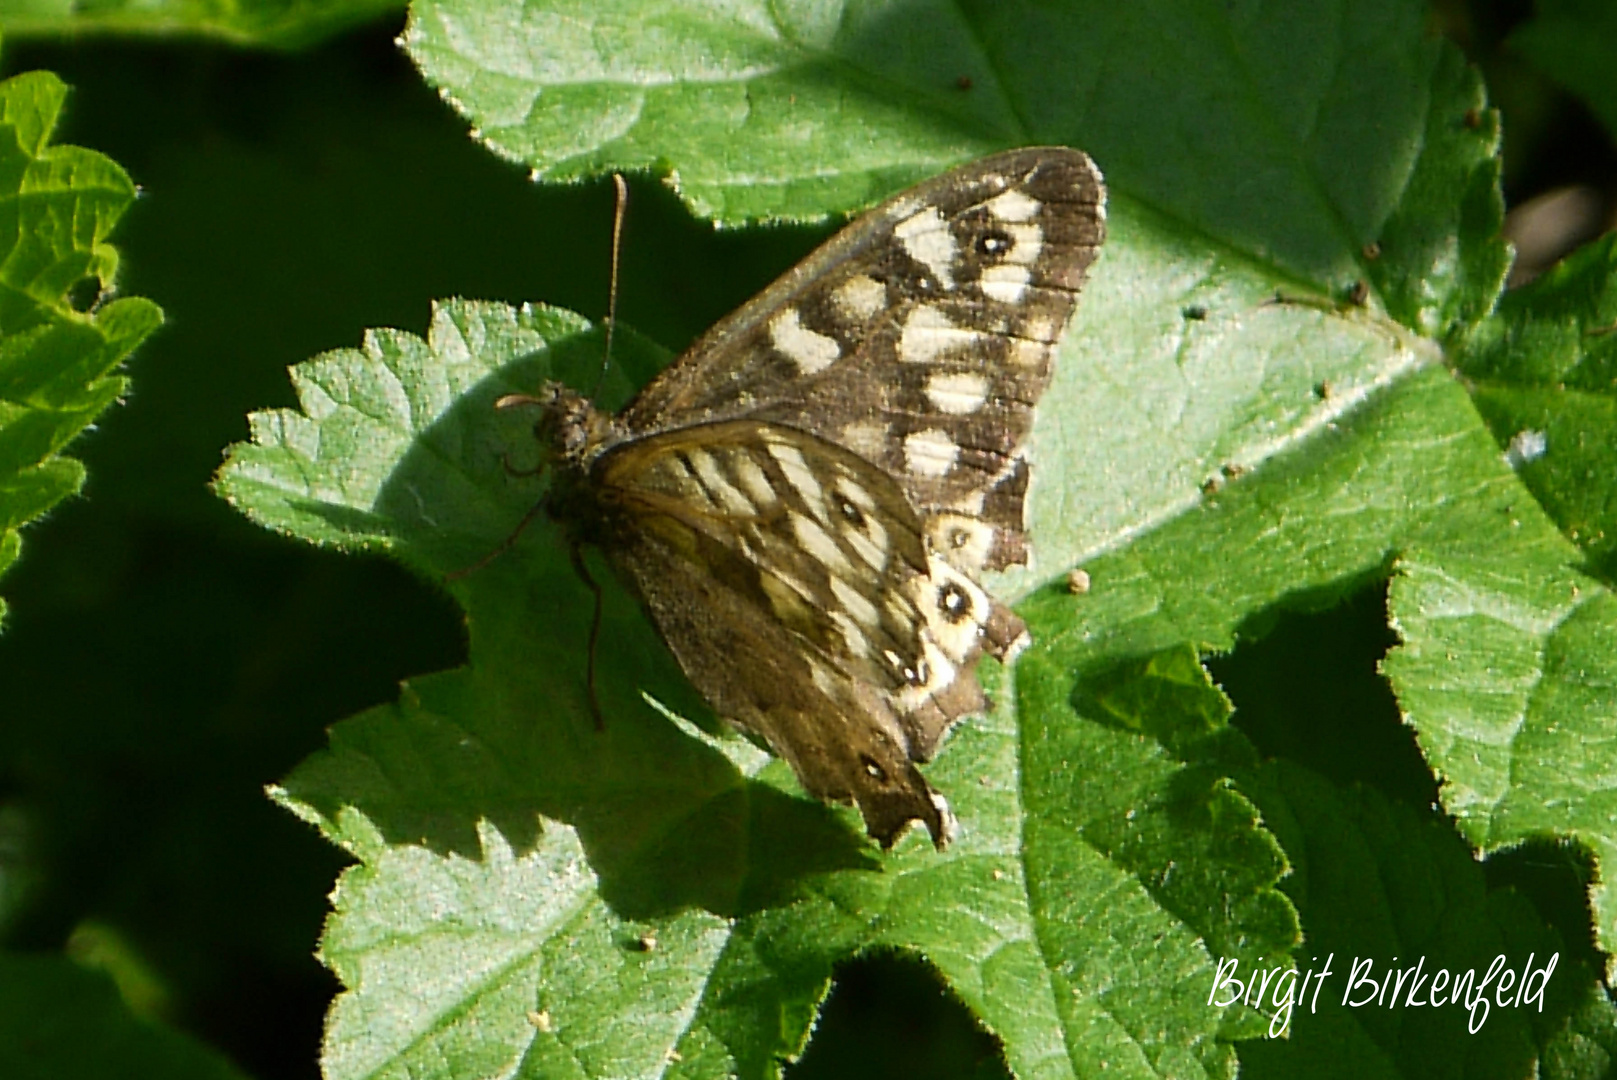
(867, 438)
(714, 480)
(958, 393)
(811, 351)
(859, 299)
(867, 548)
(787, 581)
(677, 475)
(926, 238)
(823, 681)
(970, 503)
(900, 610)
(1027, 242)
(1040, 328)
(930, 453)
(1013, 205)
(1006, 282)
(863, 611)
(858, 644)
(788, 598)
(929, 335)
(818, 543)
(1025, 353)
(750, 477)
(849, 489)
(800, 476)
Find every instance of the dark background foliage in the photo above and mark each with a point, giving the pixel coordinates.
(164, 659)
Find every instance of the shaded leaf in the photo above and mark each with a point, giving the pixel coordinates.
(1570, 42)
(1376, 880)
(58, 1020)
(283, 24)
(1587, 1044)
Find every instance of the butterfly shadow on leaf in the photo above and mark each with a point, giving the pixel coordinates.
(667, 820)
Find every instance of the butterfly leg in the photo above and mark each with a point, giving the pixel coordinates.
(576, 553)
(505, 545)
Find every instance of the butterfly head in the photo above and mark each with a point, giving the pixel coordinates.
(571, 429)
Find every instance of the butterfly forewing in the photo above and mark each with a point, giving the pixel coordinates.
(919, 337)
(804, 499)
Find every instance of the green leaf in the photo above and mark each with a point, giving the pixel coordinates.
(1509, 726)
(1505, 672)
(492, 775)
(1356, 128)
(285, 24)
(536, 895)
(1587, 1045)
(1570, 42)
(1544, 375)
(57, 206)
(59, 1021)
(1506, 666)
(658, 825)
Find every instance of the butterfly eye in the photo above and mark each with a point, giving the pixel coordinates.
(954, 601)
(993, 244)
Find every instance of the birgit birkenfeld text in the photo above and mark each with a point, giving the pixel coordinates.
(1386, 987)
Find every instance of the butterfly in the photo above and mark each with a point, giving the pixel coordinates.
(804, 500)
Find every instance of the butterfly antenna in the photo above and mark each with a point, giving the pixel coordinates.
(577, 554)
(620, 204)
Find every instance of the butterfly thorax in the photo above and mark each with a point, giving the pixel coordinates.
(573, 434)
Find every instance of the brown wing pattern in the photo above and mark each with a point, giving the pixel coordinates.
(793, 582)
(919, 337)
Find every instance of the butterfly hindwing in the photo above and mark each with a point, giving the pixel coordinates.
(804, 499)
(823, 542)
(795, 585)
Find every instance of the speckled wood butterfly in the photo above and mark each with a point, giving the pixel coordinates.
(804, 499)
